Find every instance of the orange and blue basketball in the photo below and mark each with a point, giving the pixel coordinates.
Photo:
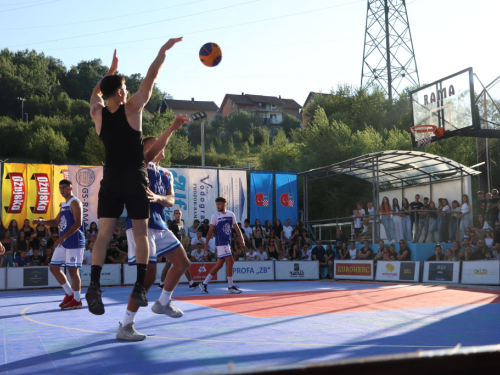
(210, 54)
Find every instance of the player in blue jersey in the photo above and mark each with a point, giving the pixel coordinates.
(162, 242)
(69, 248)
(222, 221)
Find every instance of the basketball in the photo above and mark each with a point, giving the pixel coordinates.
(210, 54)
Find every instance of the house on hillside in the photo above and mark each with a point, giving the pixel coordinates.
(185, 107)
(269, 108)
(309, 99)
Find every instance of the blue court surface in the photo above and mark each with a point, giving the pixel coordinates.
(271, 323)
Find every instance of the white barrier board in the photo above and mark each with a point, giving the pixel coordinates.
(3, 274)
(110, 275)
(353, 269)
(30, 278)
(296, 270)
(485, 272)
(442, 272)
(252, 271)
(407, 271)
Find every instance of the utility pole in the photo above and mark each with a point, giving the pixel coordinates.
(22, 107)
(201, 116)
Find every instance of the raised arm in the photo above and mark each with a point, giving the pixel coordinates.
(162, 142)
(50, 223)
(96, 101)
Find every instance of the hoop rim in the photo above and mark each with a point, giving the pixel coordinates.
(423, 128)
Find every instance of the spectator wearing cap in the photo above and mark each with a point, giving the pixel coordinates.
(493, 207)
(205, 227)
(353, 252)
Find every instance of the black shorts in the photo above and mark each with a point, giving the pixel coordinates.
(129, 190)
(357, 230)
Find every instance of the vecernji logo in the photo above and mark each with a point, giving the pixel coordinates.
(286, 200)
(389, 267)
(42, 193)
(18, 193)
(85, 177)
(262, 199)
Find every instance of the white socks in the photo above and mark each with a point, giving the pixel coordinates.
(129, 317)
(191, 282)
(77, 296)
(207, 279)
(365, 227)
(230, 281)
(67, 289)
(165, 297)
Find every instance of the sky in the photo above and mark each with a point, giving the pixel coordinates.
(270, 47)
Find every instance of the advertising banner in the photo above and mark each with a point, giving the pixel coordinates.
(3, 272)
(287, 197)
(86, 183)
(397, 271)
(111, 274)
(14, 193)
(250, 271)
(40, 191)
(296, 270)
(442, 272)
(261, 196)
(60, 173)
(30, 278)
(353, 269)
(233, 187)
(485, 272)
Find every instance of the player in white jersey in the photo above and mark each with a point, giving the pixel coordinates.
(222, 221)
(69, 248)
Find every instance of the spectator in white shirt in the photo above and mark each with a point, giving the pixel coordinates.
(198, 239)
(193, 229)
(289, 234)
(87, 255)
(247, 232)
(199, 255)
(252, 255)
(262, 254)
(358, 217)
(306, 252)
(353, 252)
(371, 213)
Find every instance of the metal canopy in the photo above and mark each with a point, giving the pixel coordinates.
(395, 168)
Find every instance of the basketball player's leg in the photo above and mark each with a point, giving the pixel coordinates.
(140, 234)
(164, 273)
(213, 272)
(58, 260)
(189, 277)
(229, 272)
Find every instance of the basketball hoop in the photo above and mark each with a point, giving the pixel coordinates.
(423, 134)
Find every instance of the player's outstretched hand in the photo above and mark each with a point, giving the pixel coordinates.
(37, 221)
(171, 43)
(2, 249)
(114, 64)
(179, 121)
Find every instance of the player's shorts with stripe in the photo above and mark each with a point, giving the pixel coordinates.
(160, 243)
(223, 251)
(72, 258)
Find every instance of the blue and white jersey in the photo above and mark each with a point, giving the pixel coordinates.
(66, 220)
(223, 226)
(160, 180)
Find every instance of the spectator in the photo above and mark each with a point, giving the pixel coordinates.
(381, 246)
(444, 221)
(247, 232)
(481, 204)
(13, 228)
(296, 253)
(198, 254)
(306, 252)
(48, 255)
(205, 227)
(466, 242)
(34, 243)
(483, 252)
(193, 229)
(37, 259)
(397, 219)
(433, 221)
(319, 254)
(10, 247)
(257, 226)
(357, 216)
(267, 229)
(488, 237)
(22, 244)
(122, 240)
(53, 238)
(212, 250)
(2, 229)
(493, 207)
(473, 238)
(196, 240)
(482, 226)
(370, 217)
(353, 252)
(365, 253)
(343, 251)
(41, 232)
(380, 254)
(92, 231)
(467, 253)
(330, 253)
(362, 214)
(496, 232)
(385, 211)
(456, 250)
(305, 239)
(238, 252)
(283, 251)
(404, 252)
(496, 251)
(252, 255)
(22, 260)
(114, 254)
(392, 254)
(415, 207)
(278, 228)
(465, 214)
(28, 231)
(87, 255)
(263, 254)
(258, 240)
(455, 209)
(423, 221)
(289, 234)
(272, 249)
(186, 242)
(438, 254)
(448, 256)
(341, 238)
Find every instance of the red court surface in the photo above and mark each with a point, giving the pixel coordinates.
(268, 305)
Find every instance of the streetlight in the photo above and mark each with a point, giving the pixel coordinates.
(22, 107)
(201, 116)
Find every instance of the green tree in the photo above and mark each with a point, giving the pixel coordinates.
(94, 152)
(245, 148)
(230, 146)
(289, 123)
(47, 146)
(282, 155)
(251, 139)
(157, 124)
(81, 79)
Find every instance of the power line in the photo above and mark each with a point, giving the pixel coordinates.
(141, 25)
(29, 6)
(101, 19)
(26, 2)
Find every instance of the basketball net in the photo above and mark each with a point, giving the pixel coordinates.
(423, 134)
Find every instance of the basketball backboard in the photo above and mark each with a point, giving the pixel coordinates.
(448, 104)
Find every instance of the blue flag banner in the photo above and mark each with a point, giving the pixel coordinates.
(261, 196)
(287, 197)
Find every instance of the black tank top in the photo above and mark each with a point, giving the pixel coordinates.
(123, 145)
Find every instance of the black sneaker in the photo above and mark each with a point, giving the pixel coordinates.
(139, 296)
(194, 286)
(234, 290)
(203, 288)
(160, 286)
(94, 300)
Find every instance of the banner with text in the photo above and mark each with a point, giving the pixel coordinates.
(397, 271)
(233, 187)
(60, 173)
(198, 270)
(353, 269)
(287, 197)
(14, 193)
(86, 183)
(30, 278)
(485, 272)
(261, 196)
(40, 191)
(296, 270)
(252, 271)
(442, 272)
(111, 274)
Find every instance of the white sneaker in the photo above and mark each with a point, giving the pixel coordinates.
(129, 333)
(365, 230)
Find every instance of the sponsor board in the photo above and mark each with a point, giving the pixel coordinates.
(3, 273)
(353, 269)
(296, 270)
(30, 278)
(442, 272)
(248, 271)
(111, 274)
(485, 272)
(397, 271)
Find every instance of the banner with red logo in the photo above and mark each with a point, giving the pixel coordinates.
(14, 193)
(40, 191)
(353, 269)
(61, 172)
(287, 197)
(261, 196)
